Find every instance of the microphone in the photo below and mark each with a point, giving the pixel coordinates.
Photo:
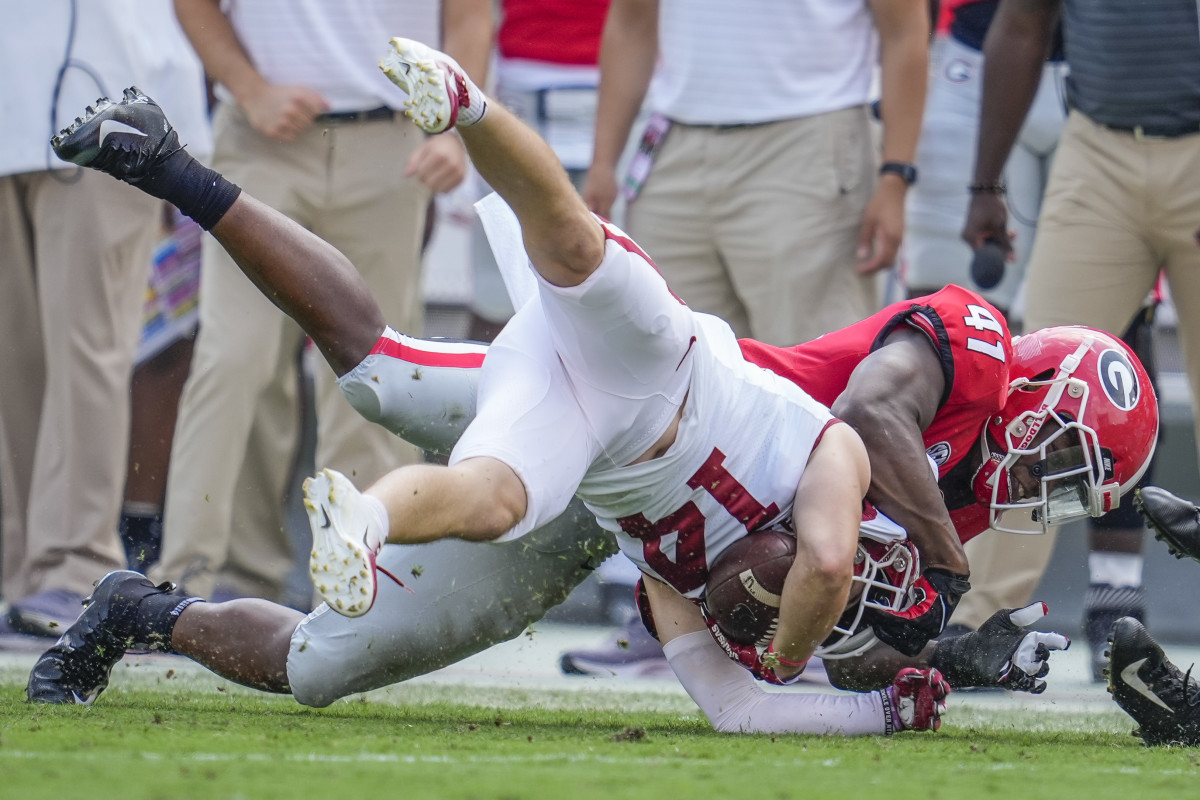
(987, 265)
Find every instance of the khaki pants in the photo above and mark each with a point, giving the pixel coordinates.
(73, 269)
(759, 224)
(236, 438)
(1117, 210)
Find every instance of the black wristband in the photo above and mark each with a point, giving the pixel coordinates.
(906, 171)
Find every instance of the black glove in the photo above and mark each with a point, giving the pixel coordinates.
(1001, 653)
(936, 594)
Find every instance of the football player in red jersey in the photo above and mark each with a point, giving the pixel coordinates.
(940, 377)
(478, 596)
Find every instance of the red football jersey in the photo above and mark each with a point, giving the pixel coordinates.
(975, 347)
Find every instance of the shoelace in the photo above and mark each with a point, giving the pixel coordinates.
(1175, 687)
(399, 582)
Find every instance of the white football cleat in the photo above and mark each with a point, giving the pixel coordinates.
(439, 93)
(342, 564)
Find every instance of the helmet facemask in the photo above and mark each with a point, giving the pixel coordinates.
(1052, 465)
(883, 578)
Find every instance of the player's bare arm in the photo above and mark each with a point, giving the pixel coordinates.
(890, 399)
(826, 516)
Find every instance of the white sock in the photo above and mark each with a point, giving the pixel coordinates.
(1115, 569)
(377, 525)
(476, 107)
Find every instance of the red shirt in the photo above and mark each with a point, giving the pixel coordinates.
(975, 347)
(556, 31)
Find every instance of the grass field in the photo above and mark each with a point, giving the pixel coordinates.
(169, 730)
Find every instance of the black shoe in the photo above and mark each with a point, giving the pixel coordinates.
(1164, 702)
(125, 139)
(75, 670)
(1175, 521)
(1103, 605)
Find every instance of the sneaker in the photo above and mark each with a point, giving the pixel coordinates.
(46, 613)
(124, 139)
(631, 653)
(75, 670)
(1164, 702)
(438, 89)
(1103, 605)
(917, 700)
(1174, 521)
(341, 562)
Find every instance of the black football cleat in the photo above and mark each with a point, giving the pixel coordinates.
(125, 139)
(1174, 521)
(1163, 701)
(75, 670)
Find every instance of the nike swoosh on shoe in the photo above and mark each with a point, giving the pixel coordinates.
(110, 126)
(1131, 677)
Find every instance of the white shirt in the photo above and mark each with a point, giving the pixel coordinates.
(331, 46)
(117, 44)
(723, 63)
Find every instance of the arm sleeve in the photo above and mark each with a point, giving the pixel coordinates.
(735, 703)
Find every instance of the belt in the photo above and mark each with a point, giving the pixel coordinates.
(1156, 131)
(371, 115)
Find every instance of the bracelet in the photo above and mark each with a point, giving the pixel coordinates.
(771, 659)
(998, 187)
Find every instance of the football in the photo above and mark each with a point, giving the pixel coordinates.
(744, 585)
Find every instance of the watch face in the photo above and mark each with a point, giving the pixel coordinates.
(907, 172)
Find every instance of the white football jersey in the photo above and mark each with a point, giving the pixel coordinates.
(585, 379)
(743, 442)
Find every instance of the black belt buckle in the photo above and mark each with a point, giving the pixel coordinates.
(370, 115)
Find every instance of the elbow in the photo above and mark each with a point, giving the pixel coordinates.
(831, 572)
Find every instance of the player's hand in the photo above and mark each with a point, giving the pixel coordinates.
(987, 220)
(440, 163)
(599, 190)
(937, 593)
(282, 112)
(1001, 653)
(882, 227)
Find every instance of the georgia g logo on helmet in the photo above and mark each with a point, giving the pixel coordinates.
(1119, 379)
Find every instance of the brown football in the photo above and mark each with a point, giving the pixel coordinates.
(745, 583)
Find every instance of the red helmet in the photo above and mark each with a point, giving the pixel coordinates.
(1096, 391)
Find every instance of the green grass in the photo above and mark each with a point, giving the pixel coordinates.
(167, 736)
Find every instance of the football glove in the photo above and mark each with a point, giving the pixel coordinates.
(937, 592)
(1001, 653)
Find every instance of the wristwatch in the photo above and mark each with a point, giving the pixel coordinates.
(906, 171)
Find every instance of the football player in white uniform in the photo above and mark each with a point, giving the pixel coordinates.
(604, 387)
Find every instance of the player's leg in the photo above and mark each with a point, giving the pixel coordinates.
(458, 599)
(564, 241)
(307, 278)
